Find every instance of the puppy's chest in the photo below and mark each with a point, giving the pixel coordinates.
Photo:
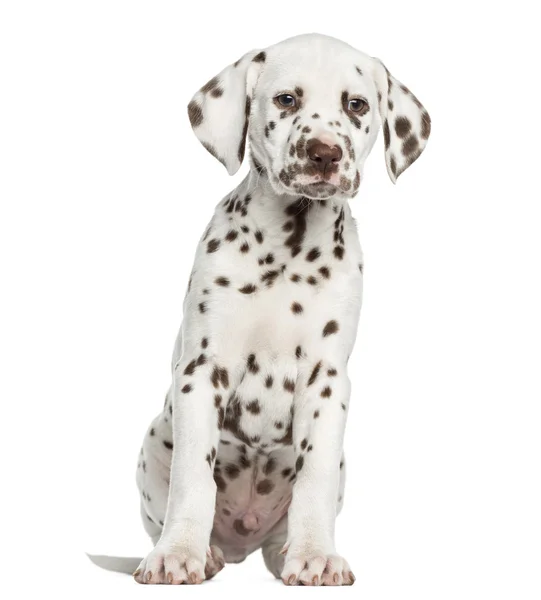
(274, 278)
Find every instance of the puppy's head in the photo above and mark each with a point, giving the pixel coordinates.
(311, 107)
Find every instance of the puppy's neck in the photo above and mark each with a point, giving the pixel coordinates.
(272, 210)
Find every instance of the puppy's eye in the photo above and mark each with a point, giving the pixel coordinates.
(357, 105)
(285, 101)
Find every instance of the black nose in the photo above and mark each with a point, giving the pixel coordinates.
(323, 155)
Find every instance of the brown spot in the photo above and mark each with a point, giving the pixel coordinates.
(202, 307)
(289, 385)
(425, 125)
(332, 372)
(242, 145)
(232, 471)
(314, 254)
(269, 276)
(253, 407)
(259, 57)
(210, 85)
(299, 91)
(287, 472)
(168, 445)
(219, 376)
(186, 389)
(268, 381)
(315, 116)
(338, 252)
(304, 443)
(204, 342)
(245, 247)
(195, 114)
(316, 414)
(402, 126)
(270, 466)
(296, 308)
(330, 328)
(231, 235)
(311, 280)
(298, 352)
(410, 145)
(325, 271)
(326, 392)
(259, 236)
(386, 134)
(264, 487)
(252, 365)
(299, 464)
(213, 245)
(295, 278)
(315, 373)
(222, 281)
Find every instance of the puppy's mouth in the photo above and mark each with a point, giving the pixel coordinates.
(317, 189)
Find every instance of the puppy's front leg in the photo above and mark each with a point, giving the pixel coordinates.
(318, 432)
(199, 388)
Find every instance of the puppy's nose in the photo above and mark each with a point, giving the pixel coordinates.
(323, 155)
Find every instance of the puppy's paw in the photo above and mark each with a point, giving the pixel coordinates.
(172, 564)
(317, 569)
(215, 562)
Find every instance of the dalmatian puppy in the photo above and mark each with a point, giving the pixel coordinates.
(247, 452)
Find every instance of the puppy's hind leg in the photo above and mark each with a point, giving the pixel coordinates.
(272, 548)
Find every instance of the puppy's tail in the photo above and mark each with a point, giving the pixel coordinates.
(119, 564)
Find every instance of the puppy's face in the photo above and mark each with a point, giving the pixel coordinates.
(311, 108)
(314, 117)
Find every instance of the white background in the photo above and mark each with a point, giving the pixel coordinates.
(104, 194)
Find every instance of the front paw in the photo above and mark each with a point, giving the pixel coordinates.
(316, 568)
(178, 563)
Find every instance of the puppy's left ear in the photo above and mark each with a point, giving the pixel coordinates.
(219, 112)
(406, 122)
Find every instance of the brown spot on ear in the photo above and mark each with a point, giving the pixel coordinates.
(260, 57)
(242, 145)
(402, 126)
(210, 85)
(425, 125)
(410, 145)
(386, 134)
(195, 114)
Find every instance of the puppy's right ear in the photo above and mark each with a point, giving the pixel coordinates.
(220, 111)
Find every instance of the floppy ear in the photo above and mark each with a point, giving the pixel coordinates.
(406, 123)
(220, 110)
